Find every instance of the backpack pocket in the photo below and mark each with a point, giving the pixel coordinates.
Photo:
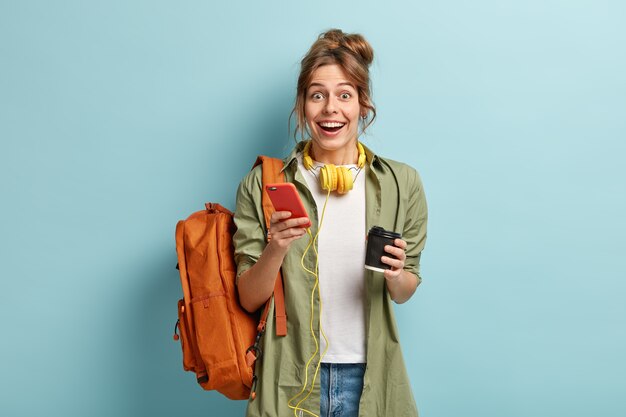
(189, 361)
(215, 341)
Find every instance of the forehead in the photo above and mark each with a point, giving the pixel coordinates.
(330, 76)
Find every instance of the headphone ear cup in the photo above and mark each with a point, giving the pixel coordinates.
(332, 175)
(328, 177)
(341, 180)
(323, 178)
(347, 180)
(336, 178)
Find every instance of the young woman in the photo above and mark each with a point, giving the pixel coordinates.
(341, 355)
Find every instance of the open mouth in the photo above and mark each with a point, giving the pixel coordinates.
(330, 127)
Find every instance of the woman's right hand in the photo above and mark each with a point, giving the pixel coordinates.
(284, 230)
(257, 283)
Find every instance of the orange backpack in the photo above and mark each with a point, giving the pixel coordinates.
(220, 340)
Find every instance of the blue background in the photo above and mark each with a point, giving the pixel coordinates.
(119, 118)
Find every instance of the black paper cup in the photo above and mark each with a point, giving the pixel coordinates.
(377, 238)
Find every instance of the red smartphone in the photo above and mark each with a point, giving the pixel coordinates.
(285, 197)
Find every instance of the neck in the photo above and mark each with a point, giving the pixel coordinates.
(347, 155)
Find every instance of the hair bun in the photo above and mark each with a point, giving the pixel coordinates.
(355, 42)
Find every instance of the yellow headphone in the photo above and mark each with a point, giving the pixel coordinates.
(333, 177)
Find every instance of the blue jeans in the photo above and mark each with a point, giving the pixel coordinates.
(341, 385)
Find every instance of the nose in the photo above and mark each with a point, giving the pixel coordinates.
(330, 106)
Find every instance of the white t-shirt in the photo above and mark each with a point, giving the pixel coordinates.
(341, 248)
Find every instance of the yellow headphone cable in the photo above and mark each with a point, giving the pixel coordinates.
(332, 178)
(315, 273)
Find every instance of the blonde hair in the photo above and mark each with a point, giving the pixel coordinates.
(354, 54)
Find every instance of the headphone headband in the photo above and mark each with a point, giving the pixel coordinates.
(308, 161)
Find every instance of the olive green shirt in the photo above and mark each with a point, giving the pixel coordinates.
(395, 201)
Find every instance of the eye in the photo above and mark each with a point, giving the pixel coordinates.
(317, 96)
(345, 96)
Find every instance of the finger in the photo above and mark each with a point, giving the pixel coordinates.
(285, 216)
(400, 243)
(293, 231)
(397, 252)
(278, 216)
(278, 219)
(285, 237)
(288, 232)
(299, 223)
(394, 263)
(297, 235)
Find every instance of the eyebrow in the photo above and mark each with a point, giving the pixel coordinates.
(340, 84)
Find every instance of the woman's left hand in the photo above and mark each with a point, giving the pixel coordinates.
(397, 265)
(401, 284)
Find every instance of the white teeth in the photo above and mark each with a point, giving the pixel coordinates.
(331, 124)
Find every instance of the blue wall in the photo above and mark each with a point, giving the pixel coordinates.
(118, 118)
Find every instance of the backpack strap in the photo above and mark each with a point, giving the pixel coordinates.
(272, 173)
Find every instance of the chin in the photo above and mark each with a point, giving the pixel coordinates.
(333, 143)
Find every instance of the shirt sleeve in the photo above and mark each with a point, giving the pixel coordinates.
(249, 238)
(414, 232)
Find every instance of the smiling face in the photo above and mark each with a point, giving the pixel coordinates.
(332, 112)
